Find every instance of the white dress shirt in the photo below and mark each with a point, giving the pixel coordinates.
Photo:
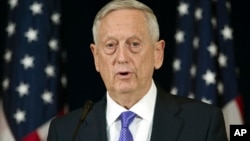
(141, 127)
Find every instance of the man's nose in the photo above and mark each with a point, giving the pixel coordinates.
(122, 54)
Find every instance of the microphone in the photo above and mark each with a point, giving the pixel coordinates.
(86, 108)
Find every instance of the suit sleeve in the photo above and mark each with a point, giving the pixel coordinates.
(217, 130)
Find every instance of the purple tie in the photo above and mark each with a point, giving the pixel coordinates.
(126, 118)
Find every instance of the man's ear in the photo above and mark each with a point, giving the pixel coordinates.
(95, 56)
(159, 53)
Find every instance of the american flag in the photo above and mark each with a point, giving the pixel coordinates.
(203, 64)
(33, 79)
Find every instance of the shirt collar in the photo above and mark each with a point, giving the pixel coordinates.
(144, 108)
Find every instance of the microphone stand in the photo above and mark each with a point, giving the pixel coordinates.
(86, 108)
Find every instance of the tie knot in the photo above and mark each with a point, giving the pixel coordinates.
(126, 118)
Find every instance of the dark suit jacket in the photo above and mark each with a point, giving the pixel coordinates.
(175, 119)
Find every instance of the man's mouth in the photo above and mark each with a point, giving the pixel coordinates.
(123, 73)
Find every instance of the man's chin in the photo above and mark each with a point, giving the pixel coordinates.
(126, 89)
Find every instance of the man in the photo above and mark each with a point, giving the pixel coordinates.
(126, 52)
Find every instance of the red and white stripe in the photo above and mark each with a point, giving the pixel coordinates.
(233, 113)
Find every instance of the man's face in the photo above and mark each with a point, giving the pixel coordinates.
(125, 54)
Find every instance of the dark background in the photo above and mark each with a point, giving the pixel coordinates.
(85, 83)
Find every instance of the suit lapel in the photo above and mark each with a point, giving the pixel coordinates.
(166, 124)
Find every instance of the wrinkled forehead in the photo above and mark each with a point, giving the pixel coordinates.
(124, 21)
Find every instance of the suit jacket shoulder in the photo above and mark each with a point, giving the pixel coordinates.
(180, 118)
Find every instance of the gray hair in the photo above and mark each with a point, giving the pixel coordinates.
(128, 4)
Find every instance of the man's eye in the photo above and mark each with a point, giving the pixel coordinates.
(110, 48)
(135, 44)
(135, 47)
(110, 45)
